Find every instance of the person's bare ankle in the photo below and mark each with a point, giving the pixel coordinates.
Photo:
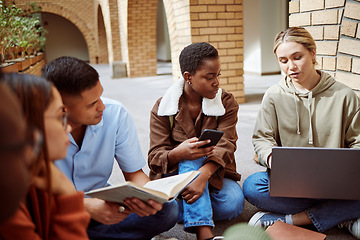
(204, 232)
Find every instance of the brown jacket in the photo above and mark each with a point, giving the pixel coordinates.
(164, 138)
(65, 219)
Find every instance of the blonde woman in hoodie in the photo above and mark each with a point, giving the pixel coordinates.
(287, 118)
(194, 103)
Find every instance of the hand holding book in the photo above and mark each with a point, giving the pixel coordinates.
(160, 190)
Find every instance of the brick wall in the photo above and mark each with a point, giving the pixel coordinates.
(103, 54)
(219, 22)
(335, 26)
(123, 15)
(178, 20)
(109, 15)
(122, 30)
(115, 30)
(141, 34)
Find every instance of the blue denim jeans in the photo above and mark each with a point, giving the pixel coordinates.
(324, 213)
(213, 204)
(136, 227)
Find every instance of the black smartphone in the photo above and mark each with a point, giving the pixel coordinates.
(213, 135)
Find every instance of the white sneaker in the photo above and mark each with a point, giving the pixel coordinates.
(352, 226)
(265, 219)
(161, 237)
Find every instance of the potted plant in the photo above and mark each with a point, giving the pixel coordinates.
(21, 35)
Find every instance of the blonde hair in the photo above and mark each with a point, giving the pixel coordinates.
(296, 34)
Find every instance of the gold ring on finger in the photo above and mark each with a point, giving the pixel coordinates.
(121, 209)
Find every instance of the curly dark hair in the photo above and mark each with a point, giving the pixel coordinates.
(192, 57)
(70, 75)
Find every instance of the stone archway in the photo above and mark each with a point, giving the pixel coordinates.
(78, 22)
(76, 15)
(110, 16)
(141, 40)
(103, 45)
(63, 38)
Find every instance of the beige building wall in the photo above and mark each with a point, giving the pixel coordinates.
(103, 55)
(141, 37)
(124, 32)
(218, 22)
(335, 26)
(221, 24)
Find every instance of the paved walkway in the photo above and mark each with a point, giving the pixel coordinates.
(139, 95)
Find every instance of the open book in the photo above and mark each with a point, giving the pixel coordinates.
(160, 190)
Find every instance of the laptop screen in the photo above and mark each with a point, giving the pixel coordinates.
(324, 173)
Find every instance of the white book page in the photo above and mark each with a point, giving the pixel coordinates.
(120, 192)
(166, 185)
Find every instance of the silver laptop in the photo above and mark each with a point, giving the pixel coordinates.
(315, 173)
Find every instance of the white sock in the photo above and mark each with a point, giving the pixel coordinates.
(288, 219)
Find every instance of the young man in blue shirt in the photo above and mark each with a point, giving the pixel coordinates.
(102, 130)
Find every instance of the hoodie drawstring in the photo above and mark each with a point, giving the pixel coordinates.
(310, 124)
(297, 116)
(311, 141)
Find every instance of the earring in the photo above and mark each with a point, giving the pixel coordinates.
(189, 82)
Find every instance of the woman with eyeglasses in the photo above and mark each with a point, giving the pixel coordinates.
(52, 209)
(14, 173)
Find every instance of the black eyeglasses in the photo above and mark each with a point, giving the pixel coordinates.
(63, 119)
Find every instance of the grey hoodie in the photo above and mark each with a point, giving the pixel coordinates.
(327, 116)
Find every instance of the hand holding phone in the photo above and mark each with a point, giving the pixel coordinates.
(213, 135)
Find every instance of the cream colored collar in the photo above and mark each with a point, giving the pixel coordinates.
(169, 104)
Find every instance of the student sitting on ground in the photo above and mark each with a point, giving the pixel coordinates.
(102, 130)
(53, 209)
(194, 103)
(308, 108)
